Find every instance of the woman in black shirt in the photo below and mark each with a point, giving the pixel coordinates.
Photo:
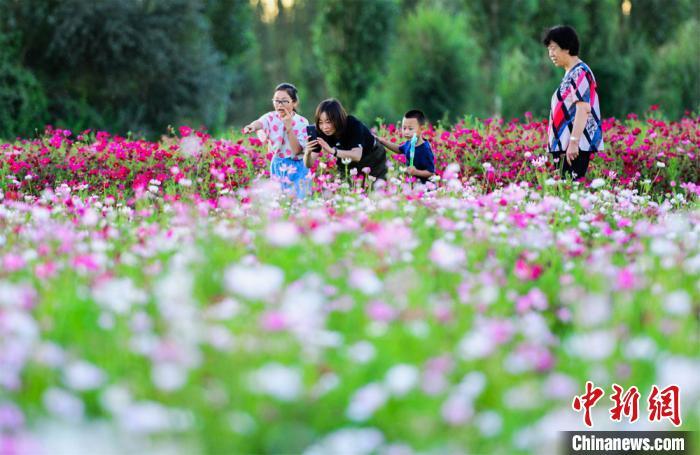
(347, 139)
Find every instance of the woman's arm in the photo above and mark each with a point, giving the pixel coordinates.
(254, 126)
(288, 121)
(354, 153)
(294, 141)
(583, 110)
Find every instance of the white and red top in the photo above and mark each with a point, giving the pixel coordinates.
(277, 140)
(578, 85)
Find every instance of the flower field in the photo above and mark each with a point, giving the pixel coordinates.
(167, 297)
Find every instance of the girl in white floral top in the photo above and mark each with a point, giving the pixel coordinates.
(286, 137)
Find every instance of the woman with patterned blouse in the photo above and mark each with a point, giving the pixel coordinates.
(285, 133)
(575, 129)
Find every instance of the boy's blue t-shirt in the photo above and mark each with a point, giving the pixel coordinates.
(423, 159)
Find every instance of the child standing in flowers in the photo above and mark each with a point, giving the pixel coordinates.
(286, 137)
(418, 153)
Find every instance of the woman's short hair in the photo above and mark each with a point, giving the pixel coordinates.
(565, 36)
(335, 113)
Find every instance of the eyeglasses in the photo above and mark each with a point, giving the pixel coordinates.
(282, 102)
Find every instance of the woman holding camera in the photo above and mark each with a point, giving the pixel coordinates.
(286, 137)
(348, 140)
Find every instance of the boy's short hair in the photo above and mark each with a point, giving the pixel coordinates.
(416, 114)
(565, 36)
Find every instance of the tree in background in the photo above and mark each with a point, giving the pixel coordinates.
(140, 65)
(434, 66)
(350, 44)
(22, 98)
(129, 65)
(233, 36)
(285, 43)
(675, 77)
(618, 47)
(525, 82)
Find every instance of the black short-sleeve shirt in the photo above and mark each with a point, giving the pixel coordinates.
(356, 134)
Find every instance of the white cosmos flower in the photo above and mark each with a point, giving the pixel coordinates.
(255, 282)
(365, 402)
(400, 379)
(168, 376)
(640, 348)
(597, 183)
(362, 352)
(63, 404)
(191, 146)
(355, 441)
(677, 303)
(118, 295)
(282, 234)
(681, 371)
(366, 281)
(277, 380)
(82, 376)
(447, 256)
(145, 418)
(597, 345)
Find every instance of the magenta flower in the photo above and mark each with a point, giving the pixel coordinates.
(12, 262)
(533, 300)
(380, 311)
(273, 321)
(527, 272)
(625, 279)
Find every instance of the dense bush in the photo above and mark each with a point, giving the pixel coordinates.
(433, 66)
(674, 80)
(126, 65)
(350, 42)
(22, 98)
(141, 65)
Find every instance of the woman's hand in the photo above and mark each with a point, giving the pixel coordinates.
(572, 151)
(248, 129)
(287, 117)
(311, 146)
(310, 153)
(324, 145)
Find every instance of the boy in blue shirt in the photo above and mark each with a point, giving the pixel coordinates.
(422, 164)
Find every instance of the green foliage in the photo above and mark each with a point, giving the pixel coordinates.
(350, 43)
(139, 65)
(433, 66)
(233, 36)
(285, 54)
(654, 19)
(618, 48)
(134, 65)
(674, 81)
(22, 99)
(520, 85)
(142, 64)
